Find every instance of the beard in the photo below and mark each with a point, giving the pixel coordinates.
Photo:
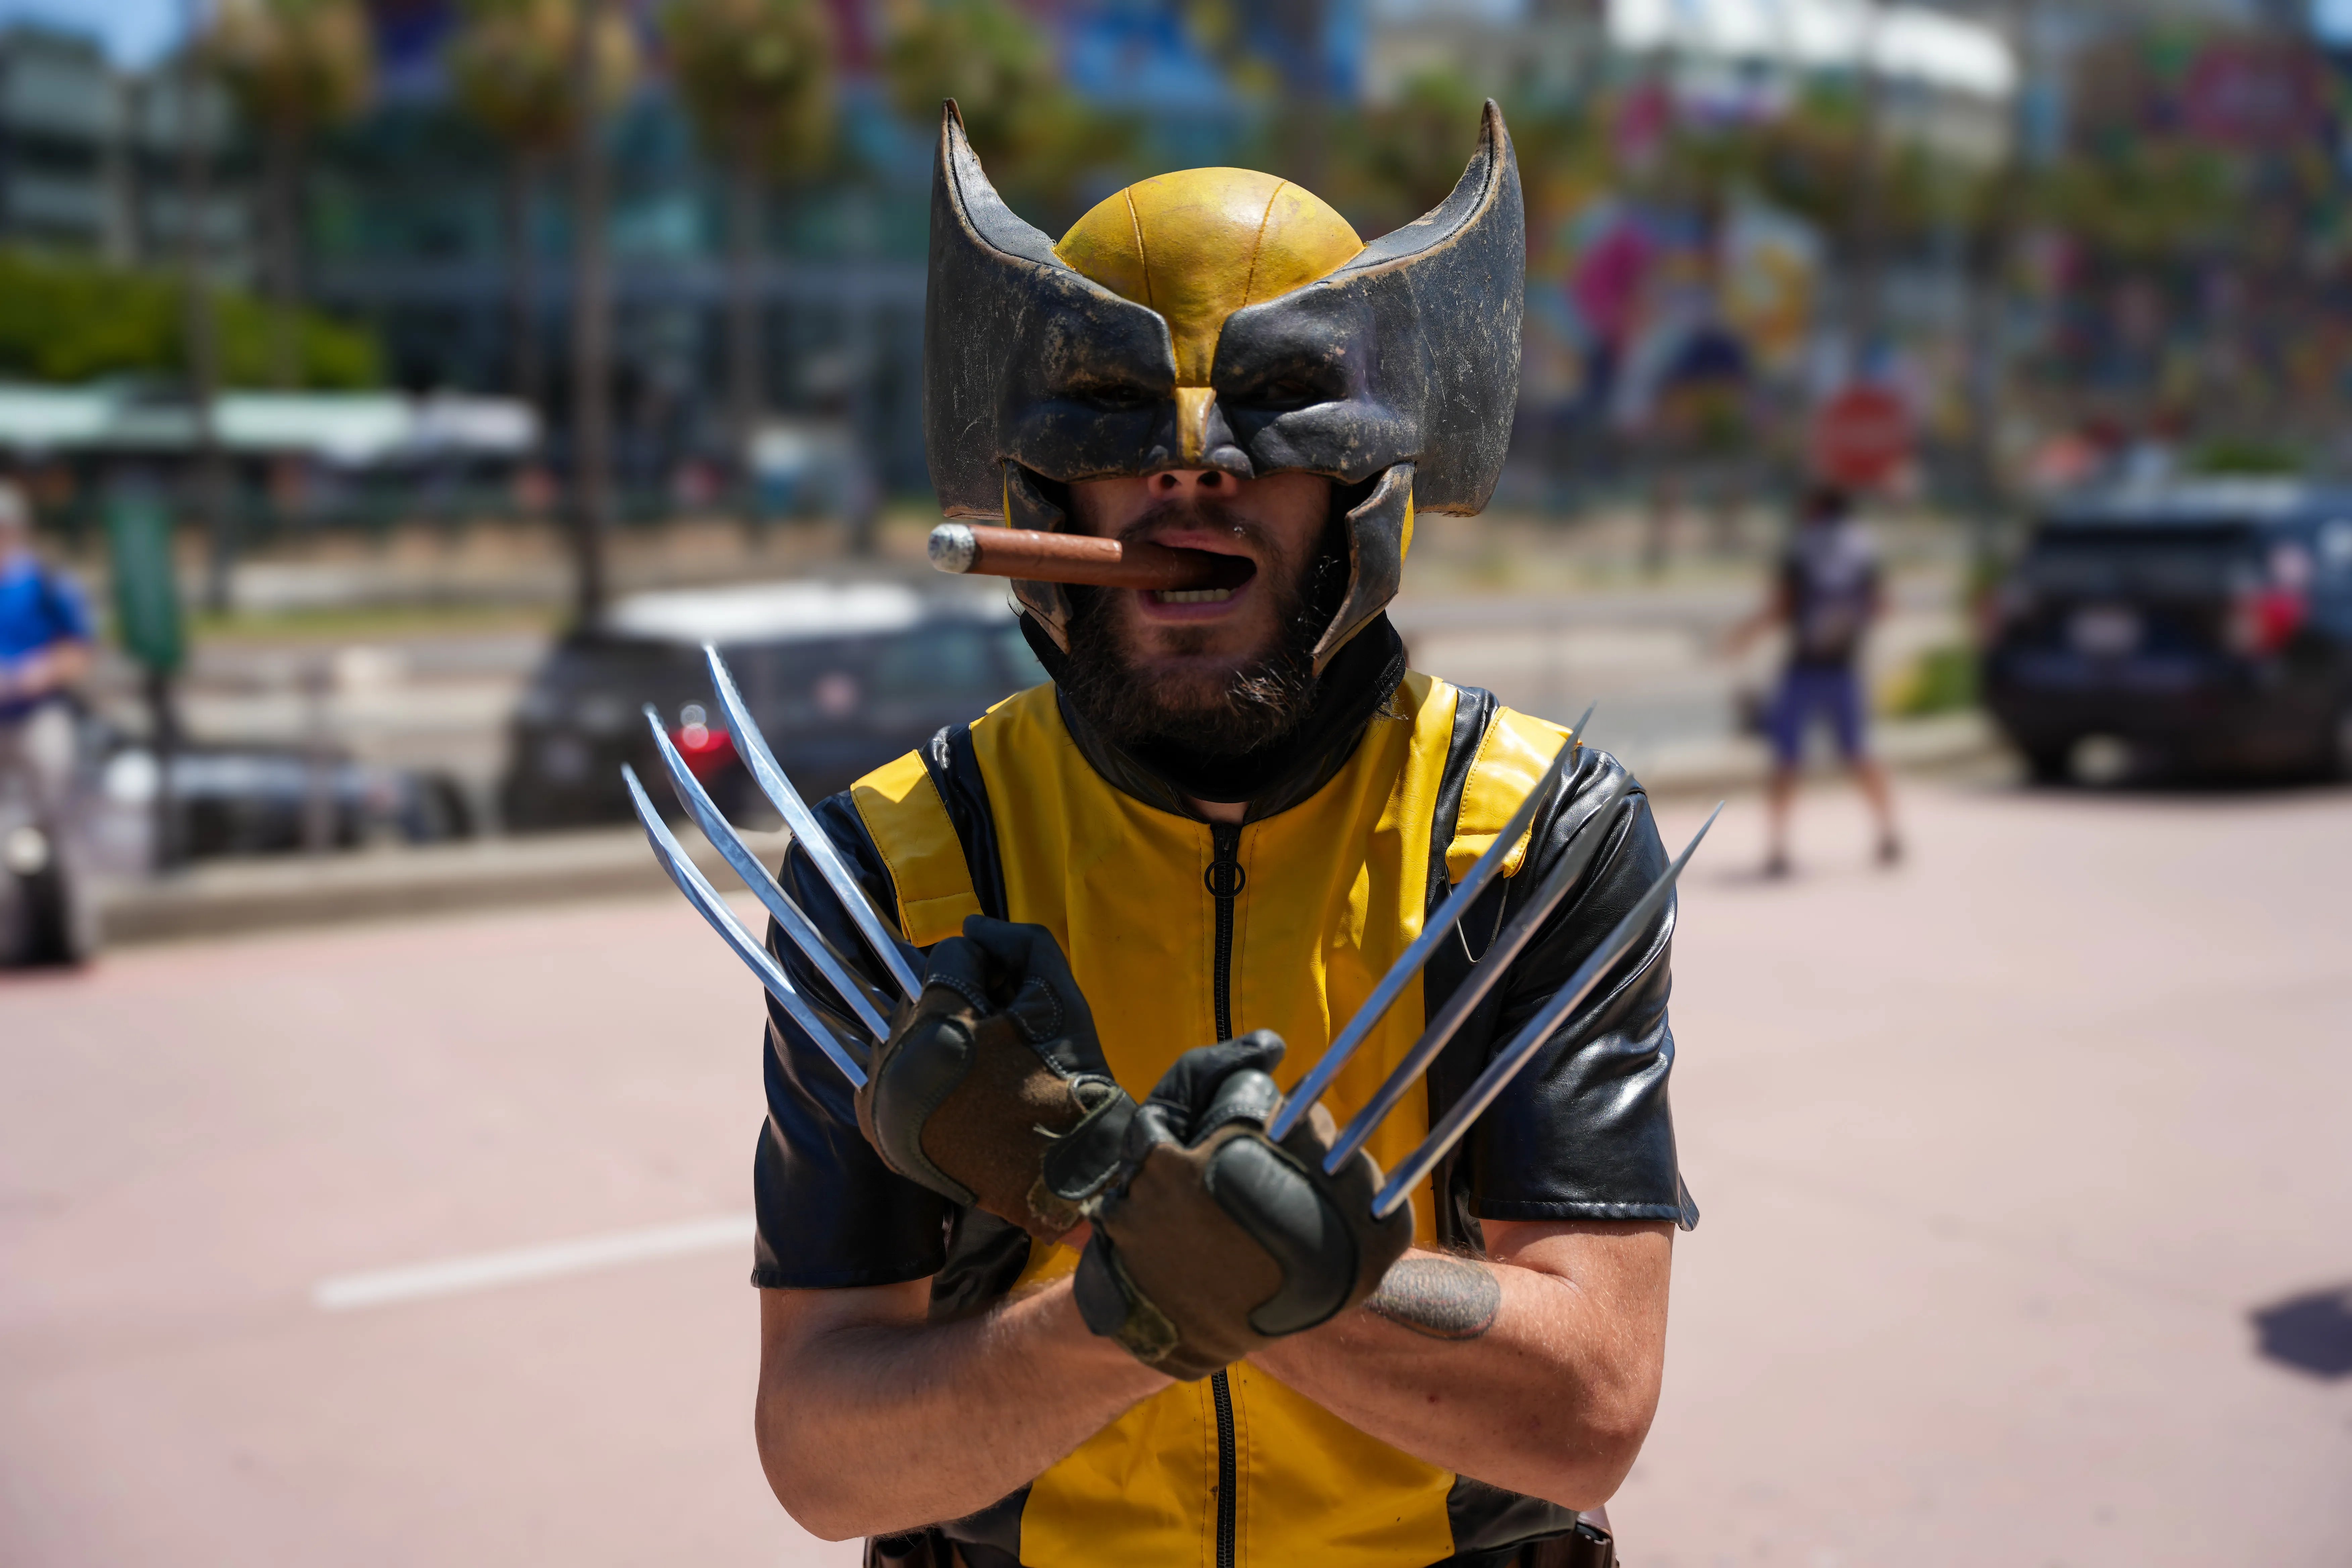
(1218, 714)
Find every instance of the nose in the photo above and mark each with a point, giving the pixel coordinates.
(1175, 484)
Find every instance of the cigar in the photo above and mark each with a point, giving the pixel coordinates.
(1041, 557)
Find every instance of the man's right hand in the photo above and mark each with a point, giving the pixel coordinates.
(993, 1087)
(1213, 1240)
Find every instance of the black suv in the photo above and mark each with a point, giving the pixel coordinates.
(2201, 627)
(841, 677)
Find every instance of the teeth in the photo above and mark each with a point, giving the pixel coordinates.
(1196, 596)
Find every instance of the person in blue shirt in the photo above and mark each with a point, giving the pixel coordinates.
(45, 638)
(1827, 593)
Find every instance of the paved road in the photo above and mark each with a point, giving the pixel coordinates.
(1997, 1153)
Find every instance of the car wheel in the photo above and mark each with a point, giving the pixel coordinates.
(56, 925)
(2049, 764)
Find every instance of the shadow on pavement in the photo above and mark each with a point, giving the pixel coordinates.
(2312, 1334)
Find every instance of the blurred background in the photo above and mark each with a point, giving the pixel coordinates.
(407, 388)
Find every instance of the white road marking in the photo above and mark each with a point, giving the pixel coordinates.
(488, 1270)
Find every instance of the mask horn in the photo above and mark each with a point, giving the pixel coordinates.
(985, 267)
(982, 218)
(1455, 279)
(1485, 198)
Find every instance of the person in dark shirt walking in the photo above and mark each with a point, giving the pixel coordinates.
(1827, 593)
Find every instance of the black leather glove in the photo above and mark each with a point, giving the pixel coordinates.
(993, 1088)
(1212, 1240)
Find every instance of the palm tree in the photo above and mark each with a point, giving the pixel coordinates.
(757, 78)
(511, 69)
(293, 68)
(1038, 137)
(591, 513)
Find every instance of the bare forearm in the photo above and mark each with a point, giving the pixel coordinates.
(870, 1427)
(68, 663)
(1520, 1377)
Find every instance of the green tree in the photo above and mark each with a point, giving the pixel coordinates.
(65, 320)
(510, 66)
(1038, 139)
(1388, 164)
(757, 78)
(294, 68)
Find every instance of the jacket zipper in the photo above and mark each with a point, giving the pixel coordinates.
(1225, 878)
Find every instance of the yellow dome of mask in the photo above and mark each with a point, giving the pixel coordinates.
(1198, 245)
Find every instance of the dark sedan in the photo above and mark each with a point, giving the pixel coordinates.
(841, 677)
(2198, 628)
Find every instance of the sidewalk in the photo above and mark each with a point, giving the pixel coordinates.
(232, 897)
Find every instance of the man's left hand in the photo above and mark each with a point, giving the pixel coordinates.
(1214, 1241)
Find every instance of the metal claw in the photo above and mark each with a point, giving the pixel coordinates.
(790, 917)
(1410, 962)
(1523, 1047)
(752, 747)
(713, 909)
(1481, 978)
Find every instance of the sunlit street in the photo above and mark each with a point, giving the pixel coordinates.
(2002, 1156)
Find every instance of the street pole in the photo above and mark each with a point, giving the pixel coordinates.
(1865, 306)
(163, 723)
(591, 349)
(203, 341)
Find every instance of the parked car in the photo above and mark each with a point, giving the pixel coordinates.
(240, 800)
(841, 677)
(2201, 627)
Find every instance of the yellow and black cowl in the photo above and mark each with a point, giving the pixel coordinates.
(1223, 318)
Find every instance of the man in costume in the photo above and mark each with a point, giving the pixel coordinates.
(1044, 1290)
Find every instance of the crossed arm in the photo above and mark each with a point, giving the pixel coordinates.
(1536, 1370)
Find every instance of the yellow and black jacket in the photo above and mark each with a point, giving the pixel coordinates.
(1182, 932)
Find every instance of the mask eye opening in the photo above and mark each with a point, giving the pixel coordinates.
(1281, 393)
(1111, 397)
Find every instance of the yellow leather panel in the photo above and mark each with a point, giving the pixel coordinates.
(1511, 761)
(909, 823)
(1198, 245)
(1310, 940)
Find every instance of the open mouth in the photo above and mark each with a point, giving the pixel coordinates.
(1221, 576)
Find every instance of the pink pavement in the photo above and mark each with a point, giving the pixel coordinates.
(1997, 1152)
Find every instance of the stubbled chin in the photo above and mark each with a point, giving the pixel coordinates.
(1200, 684)
(1155, 645)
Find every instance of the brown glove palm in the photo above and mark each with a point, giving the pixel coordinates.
(1212, 1240)
(993, 1088)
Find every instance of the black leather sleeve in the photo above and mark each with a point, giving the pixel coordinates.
(1584, 1131)
(831, 1214)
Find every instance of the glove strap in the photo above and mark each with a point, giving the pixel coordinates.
(1082, 1162)
(1114, 1308)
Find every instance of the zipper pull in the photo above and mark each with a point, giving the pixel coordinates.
(1225, 878)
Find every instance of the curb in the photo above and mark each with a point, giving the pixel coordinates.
(244, 897)
(237, 898)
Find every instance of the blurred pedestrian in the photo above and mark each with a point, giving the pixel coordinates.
(1827, 593)
(45, 651)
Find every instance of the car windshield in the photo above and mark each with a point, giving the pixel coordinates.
(949, 666)
(637, 666)
(2194, 561)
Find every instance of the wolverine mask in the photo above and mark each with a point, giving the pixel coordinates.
(1222, 318)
